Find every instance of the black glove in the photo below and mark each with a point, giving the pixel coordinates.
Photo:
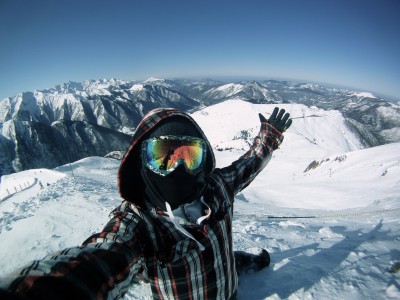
(276, 119)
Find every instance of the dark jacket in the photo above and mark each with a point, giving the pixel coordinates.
(142, 241)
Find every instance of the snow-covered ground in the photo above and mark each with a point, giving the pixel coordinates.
(344, 250)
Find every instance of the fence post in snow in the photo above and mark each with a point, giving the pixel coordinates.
(8, 191)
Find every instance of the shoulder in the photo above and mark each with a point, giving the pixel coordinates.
(218, 194)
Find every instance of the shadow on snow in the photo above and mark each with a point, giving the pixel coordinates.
(302, 272)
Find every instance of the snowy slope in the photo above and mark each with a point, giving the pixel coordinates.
(316, 136)
(252, 91)
(344, 251)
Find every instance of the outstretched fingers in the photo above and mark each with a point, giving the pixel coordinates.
(279, 117)
(285, 117)
(287, 125)
(262, 118)
(272, 118)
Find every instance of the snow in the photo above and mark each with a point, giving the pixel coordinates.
(137, 87)
(230, 89)
(344, 249)
(98, 91)
(309, 86)
(152, 79)
(6, 129)
(22, 184)
(362, 95)
(326, 130)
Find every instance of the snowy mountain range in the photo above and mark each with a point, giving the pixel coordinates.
(326, 208)
(71, 121)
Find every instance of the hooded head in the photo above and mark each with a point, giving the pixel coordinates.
(138, 184)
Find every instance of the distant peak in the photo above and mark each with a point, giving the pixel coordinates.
(152, 79)
(254, 83)
(137, 87)
(362, 95)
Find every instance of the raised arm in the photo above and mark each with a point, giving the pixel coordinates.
(243, 171)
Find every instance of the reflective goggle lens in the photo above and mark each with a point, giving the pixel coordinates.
(163, 155)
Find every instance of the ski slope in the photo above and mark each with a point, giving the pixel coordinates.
(344, 250)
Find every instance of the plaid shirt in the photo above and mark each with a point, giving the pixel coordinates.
(144, 243)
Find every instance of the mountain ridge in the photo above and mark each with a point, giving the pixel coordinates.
(75, 114)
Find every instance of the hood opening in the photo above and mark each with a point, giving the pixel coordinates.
(130, 182)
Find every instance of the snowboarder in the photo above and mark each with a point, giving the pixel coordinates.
(174, 227)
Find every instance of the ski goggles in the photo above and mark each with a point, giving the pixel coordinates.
(164, 154)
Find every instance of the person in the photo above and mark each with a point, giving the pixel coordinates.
(173, 228)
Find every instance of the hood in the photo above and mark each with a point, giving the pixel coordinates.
(130, 182)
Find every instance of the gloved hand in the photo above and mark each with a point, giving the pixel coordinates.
(276, 119)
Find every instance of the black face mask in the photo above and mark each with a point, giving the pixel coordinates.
(177, 188)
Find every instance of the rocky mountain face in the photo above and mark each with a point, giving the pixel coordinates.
(71, 121)
(28, 145)
(52, 127)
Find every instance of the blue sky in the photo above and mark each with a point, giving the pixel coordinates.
(354, 43)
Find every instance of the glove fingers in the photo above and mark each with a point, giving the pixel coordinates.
(273, 115)
(285, 118)
(262, 118)
(287, 125)
(279, 117)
